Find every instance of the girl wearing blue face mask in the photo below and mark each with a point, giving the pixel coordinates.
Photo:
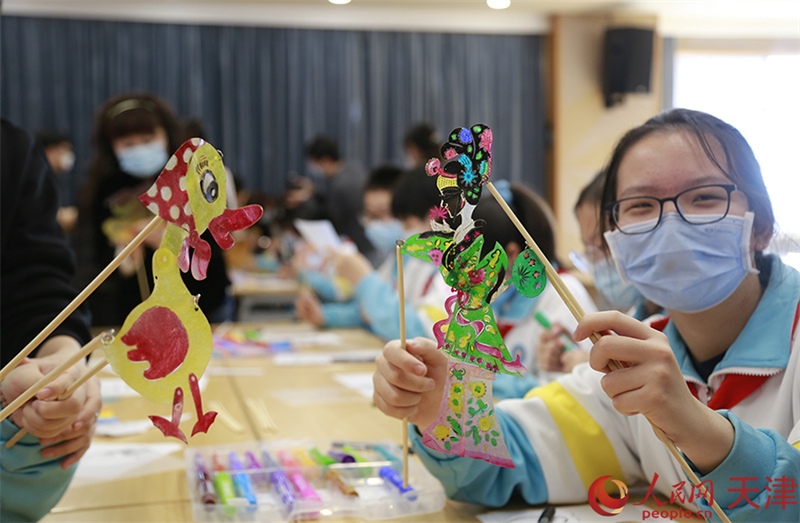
(688, 219)
(134, 136)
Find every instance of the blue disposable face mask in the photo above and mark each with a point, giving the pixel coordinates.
(143, 160)
(685, 267)
(383, 234)
(621, 295)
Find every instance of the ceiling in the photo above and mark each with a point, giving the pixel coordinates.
(722, 18)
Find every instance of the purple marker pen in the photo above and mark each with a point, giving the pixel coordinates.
(302, 486)
(252, 463)
(279, 480)
(341, 457)
(204, 481)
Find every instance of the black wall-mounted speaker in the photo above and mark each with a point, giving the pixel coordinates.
(627, 63)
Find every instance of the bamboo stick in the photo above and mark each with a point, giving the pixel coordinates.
(53, 374)
(578, 312)
(80, 298)
(97, 367)
(402, 309)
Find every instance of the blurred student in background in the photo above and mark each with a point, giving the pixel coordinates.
(374, 303)
(337, 196)
(420, 144)
(516, 314)
(37, 266)
(613, 291)
(61, 157)
(134, 136)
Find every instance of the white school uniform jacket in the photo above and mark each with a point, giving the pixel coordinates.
(565, 435)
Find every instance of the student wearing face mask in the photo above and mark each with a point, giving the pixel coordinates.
(134, 136)
(374, 303)
(516, 314)
(688, 218)
(614, 292)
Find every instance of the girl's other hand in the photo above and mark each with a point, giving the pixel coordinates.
(409, 383)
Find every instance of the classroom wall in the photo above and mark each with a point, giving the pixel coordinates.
(584, 130)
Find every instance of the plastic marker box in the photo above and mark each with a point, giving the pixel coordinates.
(305, 480)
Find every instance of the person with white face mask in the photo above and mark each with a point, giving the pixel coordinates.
(689, 218)
(613, 292)
(134, 136)
(373, 303)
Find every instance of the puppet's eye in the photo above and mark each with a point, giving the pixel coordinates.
(209, 186)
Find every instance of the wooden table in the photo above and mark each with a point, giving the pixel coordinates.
(262, 296)
(164, 496)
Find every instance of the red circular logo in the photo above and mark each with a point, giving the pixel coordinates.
(601, 502)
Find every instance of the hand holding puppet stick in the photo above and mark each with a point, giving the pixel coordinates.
(466, 424)
(578, 312)
(165, 342)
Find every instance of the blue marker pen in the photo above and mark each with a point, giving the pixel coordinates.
(241, 480)
(390, 475)
(279, 480)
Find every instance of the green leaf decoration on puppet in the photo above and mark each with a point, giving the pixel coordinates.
(528, 274)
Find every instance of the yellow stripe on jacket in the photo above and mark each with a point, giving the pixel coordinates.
(588, 445)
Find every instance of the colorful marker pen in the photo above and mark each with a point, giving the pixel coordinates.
(544, 322)
(252, 463)
(279, 480)
(341, 457)
(363, 471)
(321, 458)
(204, 481)
(386, 453)
(222, 481)
(241, 480)
(337, 479)
(303, 459)
(390, 475)
(302, 486)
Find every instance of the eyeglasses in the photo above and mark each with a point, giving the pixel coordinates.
(698, 205)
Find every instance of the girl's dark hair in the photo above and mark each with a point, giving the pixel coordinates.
(423, 137)
(739, 164)
(120, 116)
(383, 177)
(415, 194)
(592, 193)
(531, 209)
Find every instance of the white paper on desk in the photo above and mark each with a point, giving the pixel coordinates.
(115, 388)
(325, 358)
(320, 234)
(360, 382)
(568, 514)
(314, 396)
(104, 461)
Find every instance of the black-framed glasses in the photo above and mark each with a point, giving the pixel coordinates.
(698, 205)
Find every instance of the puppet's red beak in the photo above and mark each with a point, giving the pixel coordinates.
(231, 220)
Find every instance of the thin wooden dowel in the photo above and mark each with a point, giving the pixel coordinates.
(80, 298)
(401, 299)
(93, 370)
(578, 312)
(48, 378)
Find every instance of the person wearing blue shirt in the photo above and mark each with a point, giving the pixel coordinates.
(689, 218)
